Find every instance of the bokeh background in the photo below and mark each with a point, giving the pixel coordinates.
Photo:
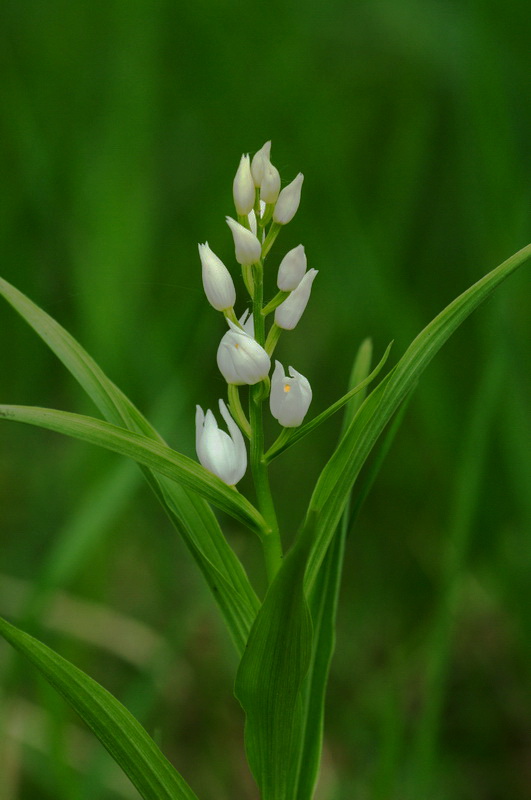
(122, 126)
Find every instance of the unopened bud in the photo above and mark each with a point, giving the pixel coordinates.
(258, 163)
(270, 186)
(288, 201)
(248, 248)
(292, 269)
(217, 282)
(243, 187)
(291, 310)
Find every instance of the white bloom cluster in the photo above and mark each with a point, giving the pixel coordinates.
(242, 359)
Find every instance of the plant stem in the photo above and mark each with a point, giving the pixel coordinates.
(276, 301)
(237, 410)
(271, 543)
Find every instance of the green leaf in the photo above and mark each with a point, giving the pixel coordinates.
(323, 607)
(144, 450)
(269, 680)
(190, 514)
(337, 478)
(290, 436)
(119, 732)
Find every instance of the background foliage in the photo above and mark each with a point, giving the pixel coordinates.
(122, 127)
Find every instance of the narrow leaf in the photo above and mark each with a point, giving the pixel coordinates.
(189, 513)
(337, 478)
(269, 680)
(146, 451)
(323, 608)
(119, 732)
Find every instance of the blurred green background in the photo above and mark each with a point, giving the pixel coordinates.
(122, 126)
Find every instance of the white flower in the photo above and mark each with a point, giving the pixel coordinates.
(217, 282)
(240, 358)
(292, 269)
(270, 186)
(258, 162)
(248, 248)
(291, 310)
(219, 453)
(243, 187)
(290, 397)
(288, 201)
(247, 322)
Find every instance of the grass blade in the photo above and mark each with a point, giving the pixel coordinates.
(337, 478)
(119, 732)
(190, 514)
(145, 451)
(270, 677)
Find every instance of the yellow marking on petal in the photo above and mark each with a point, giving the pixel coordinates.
(236, 345)
(287, 387)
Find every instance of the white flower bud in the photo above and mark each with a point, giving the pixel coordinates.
(243, 187)
(270, 186)
(288, 201)
(291, 310)
(240, 358)
(219, 453)
(248, 248)
(292, 268)
(290, 397)
(217, 282)
(258, 163)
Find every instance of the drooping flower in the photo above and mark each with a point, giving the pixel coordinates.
(219, 453)
(290, 397)
(291, 310)
(247, 247)
(288, 201)
(292, 268)
(243, 187)
(217, 282)
(240, 358)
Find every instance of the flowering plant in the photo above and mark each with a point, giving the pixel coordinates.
(284, 641)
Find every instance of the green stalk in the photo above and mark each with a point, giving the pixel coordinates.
(271, 543)
(236, 409)
(276, 301)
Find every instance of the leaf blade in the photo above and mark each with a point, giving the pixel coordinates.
(335, 482)
(269, 680)
(190, 514)
(119, 732)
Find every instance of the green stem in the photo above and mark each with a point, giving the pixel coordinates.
(272, 547)
(271, 543)
(272, 234)
(236, 409)
(274, 303)
(272, 338)
(247, 275)
(229, 314)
